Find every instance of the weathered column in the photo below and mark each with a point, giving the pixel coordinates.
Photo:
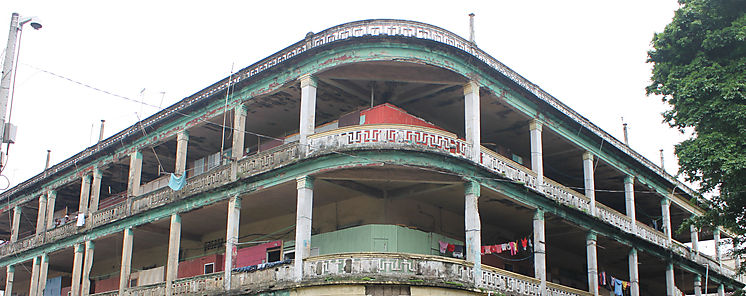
(303, 215)
(182, 141)
(239, 131)
(51, 200)
(716, 237)
(174, 243)
(697, 285)
(43, 270)
(695, 238)
(41, 221)
(85, 193)
(590, 187)
(537, 159)
(721, 290)
(95, 191)
(634, 275)
(15, 227)
(308, 86)
(666, 212)
(85, 286)
(473, 227)
(77, 266)
(34, 285)
(540, 256)
(590, 247)
(10, 272)
(472, 119)
(629, 200)
(133, 181)
(670, 282)
(126, 265)
(231, 238)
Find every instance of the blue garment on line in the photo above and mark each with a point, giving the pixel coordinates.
(176, 183)
(617, 287)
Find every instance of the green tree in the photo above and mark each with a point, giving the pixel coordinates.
(700, 70)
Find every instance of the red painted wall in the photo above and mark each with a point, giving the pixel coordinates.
(64, 291)
(387, 113)
(104, 285)
(195, 267)
(254, 255)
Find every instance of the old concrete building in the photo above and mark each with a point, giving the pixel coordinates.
(378, 157)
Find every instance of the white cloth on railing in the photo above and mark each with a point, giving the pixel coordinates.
(81, 220)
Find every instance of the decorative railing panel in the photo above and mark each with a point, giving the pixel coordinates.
(264, 277)
(197, 184)
(61, 231)
(109, 293)
(149, 290)
(613, 217)
(109, 214)
(199, 284)
(652, 235)
(268, 160)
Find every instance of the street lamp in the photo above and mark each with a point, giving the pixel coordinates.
(7, 75)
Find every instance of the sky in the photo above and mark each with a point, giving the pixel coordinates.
(589, 54)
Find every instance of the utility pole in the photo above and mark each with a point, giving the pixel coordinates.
(10, 55)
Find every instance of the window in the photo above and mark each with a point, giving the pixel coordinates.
(209, 268)
(273, 254)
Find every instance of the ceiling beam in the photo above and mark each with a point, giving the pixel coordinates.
(350, 90)
(418, 189)
(358, 187)
(155, 229)
(433, 89)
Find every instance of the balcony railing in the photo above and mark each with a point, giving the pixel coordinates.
(397, 137)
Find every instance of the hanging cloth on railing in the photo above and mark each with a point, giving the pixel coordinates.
(177, 182)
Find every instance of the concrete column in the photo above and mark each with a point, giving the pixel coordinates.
(721, 290)
(95, 191)
(126, 265)
(182, 141)
(231, 238)
(303, 220)
(473, 227)
(634, 276)
(174, 243)
(472, 119)
(666, 212)
(15, 227)
(629, 200)
(239, 131)
(10, 272)
(308, 86)
(718, 256)
(537, 158)
(51, 200)
(85, 193)
(34, 285)
(590, 246)
(695, 238)
(133, 182)
(77, 266)
(43, 271)
(590, 187)
(85, 286)
(540, 259)
(670, 282)
(697, 285)
(41, 221)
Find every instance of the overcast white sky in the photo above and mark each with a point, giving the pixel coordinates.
(589, 54)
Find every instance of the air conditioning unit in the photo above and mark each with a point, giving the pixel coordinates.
(9, 135)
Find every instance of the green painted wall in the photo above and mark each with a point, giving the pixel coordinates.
(379, 238)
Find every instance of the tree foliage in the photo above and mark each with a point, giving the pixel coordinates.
(700, 70)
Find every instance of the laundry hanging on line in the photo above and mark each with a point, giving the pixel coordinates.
(513, 247)
(177, 182)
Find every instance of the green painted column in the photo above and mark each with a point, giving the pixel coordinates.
(666, 214)
(15, 227)
(135, 172)
(85, 285)
(51, 200)
(10, 272)
(473, 230)
(721, 290)
(231, 238)
(239, 131)
(590, 243)
(537, 158)
(588, 180)
(472, 119)
(697, 285)
(629, 201)
(95, 191)
(670, 281)
(308, 84)
(634, 276)
(540, 256)
(303, 220)
(77, 266)
(126, 265)
(34, 284)
(85, 193)
(43, 271)
(41, 221)
(182, 143)
(174, 243)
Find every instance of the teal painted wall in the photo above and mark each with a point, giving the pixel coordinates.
(379, 238)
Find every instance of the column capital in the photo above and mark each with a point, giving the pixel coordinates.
(182, 135)
(591, 236)
(241, 108)
(471, 87)
(535, 125)
(472, 187)
(78, 248)
(17, 208)
(11, 268)
(136, 154)
(89, 245)
(669, 265)
(539, 214)
(42, 197)
(665, 202)
(304, 182)
(629, 179)
(175, 218)
(52, 194)
(45, 258)
(96, 172)
(308, 80)
(236, 201)
(587, 155)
